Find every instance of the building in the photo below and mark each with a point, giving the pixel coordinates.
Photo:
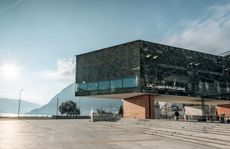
(143, 73)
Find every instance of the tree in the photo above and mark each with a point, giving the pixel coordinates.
(100, 111)
(69, 108)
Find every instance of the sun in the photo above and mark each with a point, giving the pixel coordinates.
(9, 71)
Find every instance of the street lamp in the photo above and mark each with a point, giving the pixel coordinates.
(227, 69)
(79, 104)
(226, 72)
(19, 101)
(156, 69)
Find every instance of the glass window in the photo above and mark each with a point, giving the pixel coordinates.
(130, 82)
(92, 86)
(83, 86)
(116, 84)
(76, 87)
(103, 85)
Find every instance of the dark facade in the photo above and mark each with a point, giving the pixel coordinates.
(110, 70)
(146, 67)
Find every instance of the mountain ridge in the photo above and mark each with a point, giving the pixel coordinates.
(8, 105)
(85, 104)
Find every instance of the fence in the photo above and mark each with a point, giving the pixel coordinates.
(104, 117)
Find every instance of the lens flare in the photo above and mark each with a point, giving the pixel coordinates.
(9, 71)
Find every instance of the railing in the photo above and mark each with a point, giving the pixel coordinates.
(104, 117)
(197, 118)
(221, 119)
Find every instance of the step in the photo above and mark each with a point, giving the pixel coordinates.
(179, 137)
(206, 136)
(213, 143)
(190, 133)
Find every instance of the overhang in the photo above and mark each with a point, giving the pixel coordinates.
(116, 96)
(189, 100)
(165, 98)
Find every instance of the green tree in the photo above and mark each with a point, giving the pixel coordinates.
(69, 108)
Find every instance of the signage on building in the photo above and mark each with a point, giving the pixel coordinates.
(177, 88)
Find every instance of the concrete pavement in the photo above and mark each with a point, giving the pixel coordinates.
(79, 134)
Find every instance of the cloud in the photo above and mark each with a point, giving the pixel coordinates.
(65, 70)
(210, 33)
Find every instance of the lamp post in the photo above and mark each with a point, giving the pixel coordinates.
(226, 73)
(79, 104)
(156, 69)
(19, 101)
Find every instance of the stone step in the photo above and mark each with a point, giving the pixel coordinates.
(204, 141)
(221, 132)
(194, 141)
(181, 123)
(207, 136)
(199, 129)
(192, 137)
(212, 134)
(187, 124)
(212, 131)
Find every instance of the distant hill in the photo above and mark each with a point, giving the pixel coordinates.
(86, 104)
(227, 53)
(11, 106)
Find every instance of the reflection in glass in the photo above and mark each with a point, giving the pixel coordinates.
(83, 86)
(92, 86)
(130, 82)
(103, 85)
(116, 84)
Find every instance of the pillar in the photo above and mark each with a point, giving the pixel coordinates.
(140, 107)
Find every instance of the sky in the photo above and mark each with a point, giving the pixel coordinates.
(40, 38)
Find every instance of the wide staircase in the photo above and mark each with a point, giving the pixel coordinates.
(211, 134)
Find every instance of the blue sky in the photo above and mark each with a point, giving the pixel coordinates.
(41, 37)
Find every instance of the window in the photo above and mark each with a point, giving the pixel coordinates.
(83, 86)
(103, 85)
(116, 84)
(76, 87)
(92, 86)
(130, 82)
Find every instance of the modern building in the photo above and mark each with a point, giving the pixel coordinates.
(143, 73)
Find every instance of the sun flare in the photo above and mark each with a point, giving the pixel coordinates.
(9, 71)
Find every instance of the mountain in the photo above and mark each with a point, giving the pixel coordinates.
(11, 106)
(227, 53)
(85, 104)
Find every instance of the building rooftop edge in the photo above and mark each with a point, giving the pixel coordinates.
(140, 40)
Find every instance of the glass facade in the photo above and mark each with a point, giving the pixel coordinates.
(176, 71)
(82, 86)
(92, 86)
(116, 83)
(109, 71)
(127, 82)
(146, 67)
(102, 85)
(130, 82)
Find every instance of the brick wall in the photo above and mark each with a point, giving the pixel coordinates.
(223, 109)
(141, 107)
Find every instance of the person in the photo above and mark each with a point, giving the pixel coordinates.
(217, 115)
(177, 115)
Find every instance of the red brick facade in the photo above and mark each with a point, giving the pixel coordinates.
(140, 107)
(223, 109)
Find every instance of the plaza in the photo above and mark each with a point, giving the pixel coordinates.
(80, 134)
